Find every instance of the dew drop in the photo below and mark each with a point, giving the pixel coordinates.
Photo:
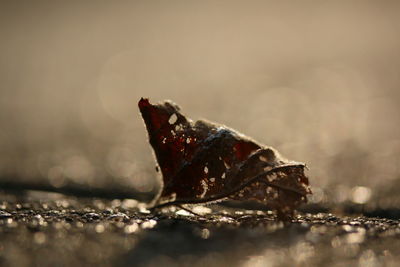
(173, 119)
(205, 233)
(129, 229)
(205, 169)
(99, 228)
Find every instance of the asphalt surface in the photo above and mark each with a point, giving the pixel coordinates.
(42, 229)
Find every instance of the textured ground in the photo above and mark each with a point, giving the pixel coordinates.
(41, 229)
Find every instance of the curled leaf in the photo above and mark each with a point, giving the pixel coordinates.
(205, 162)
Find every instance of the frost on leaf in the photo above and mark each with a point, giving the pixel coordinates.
(203, 162)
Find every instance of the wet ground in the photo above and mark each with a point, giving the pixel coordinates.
(42, 229)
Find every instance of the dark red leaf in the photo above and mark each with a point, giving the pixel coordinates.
(203, 162)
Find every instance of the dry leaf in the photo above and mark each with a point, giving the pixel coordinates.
(204, 162)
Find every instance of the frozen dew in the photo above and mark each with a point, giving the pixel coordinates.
(348, 228)
(143, 208)
(356, 237)
(99, 204)
(227, 166)
(260, 212)
(206, 169)
(115, 203)
(129, 203)
(119, 217)
(272, 177)
(201, 210)
(226, 219)
(129, 229)
(62, 203)
(205, 233)
(11, 223)
(267, 168)
(39, 220)
(4, 215)
(172, 119)
(272, 192)
(205, 188)
(172, 197)
(361, 194)
(99, 228)
(149, 224)
(120, 224)
(183, 213)
(178, 128)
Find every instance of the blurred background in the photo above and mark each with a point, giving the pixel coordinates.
(317, 80)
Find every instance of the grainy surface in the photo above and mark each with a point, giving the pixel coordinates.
(40, 229)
